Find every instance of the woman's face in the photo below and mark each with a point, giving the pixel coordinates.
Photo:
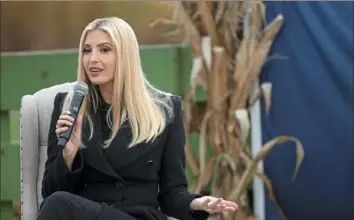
(98, 58)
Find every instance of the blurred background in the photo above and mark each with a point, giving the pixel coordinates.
(27, 26)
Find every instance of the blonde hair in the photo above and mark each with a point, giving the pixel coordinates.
(134, 98)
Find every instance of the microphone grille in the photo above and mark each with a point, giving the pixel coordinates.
(81, 87)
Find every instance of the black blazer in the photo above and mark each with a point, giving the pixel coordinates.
(146, 181)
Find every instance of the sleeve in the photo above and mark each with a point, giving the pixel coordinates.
(174, 196)
(57, 176)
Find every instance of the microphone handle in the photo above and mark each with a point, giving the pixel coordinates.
(74, 110)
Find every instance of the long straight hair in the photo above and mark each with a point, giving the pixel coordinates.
(134, 98)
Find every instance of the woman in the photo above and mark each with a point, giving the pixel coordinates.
(125, 157)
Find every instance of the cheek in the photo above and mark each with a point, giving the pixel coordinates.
(111, 67)
(85, 62)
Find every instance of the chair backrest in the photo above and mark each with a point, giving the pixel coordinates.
(35, 119)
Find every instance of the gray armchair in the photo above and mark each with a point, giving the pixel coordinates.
(35, 112)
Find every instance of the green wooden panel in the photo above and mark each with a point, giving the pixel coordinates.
(185, 66)
(23, 73)
(26, 74)
(6, 210)
(160, 64)
(10, 172)
(4, 126)
(14, 125)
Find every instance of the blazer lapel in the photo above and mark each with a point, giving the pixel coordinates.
(93, 153)
(118, 153)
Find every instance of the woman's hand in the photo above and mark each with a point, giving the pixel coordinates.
(213, 205)
(73, 144)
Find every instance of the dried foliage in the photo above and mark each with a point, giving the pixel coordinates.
(16, 206)
(226, 64)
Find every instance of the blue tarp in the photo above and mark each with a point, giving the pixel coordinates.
(312, 99)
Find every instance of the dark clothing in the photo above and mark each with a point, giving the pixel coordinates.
(63, 205)
(146, 181)
(106, 130)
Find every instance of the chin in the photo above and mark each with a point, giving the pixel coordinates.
(97, 81)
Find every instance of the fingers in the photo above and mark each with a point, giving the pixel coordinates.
(230, 204)
(60, 130)
(66, 113)
(205, 202)
(65, 119)
(216, 205)
(63, 122)
(219, 208)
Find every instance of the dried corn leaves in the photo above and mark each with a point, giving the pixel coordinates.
(228, 54)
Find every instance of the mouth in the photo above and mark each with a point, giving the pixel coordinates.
(95, 69)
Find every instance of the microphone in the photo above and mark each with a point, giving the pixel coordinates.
(80, 91)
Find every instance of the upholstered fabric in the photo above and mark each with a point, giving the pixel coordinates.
(35, 112)
(29, 157)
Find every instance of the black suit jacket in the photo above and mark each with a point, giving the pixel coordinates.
(140, 181)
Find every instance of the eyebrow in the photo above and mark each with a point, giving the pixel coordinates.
(101, 44)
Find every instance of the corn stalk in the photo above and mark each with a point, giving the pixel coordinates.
(226, 65)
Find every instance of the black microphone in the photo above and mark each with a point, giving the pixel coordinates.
(80, 91)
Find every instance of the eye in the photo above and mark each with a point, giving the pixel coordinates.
(105, 50)
(86, 50)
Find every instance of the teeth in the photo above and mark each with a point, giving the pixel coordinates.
(95, 69)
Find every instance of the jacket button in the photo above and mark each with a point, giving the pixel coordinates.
(119, 185)
(149, 162)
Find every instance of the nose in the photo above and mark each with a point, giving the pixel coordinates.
(94, 57)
